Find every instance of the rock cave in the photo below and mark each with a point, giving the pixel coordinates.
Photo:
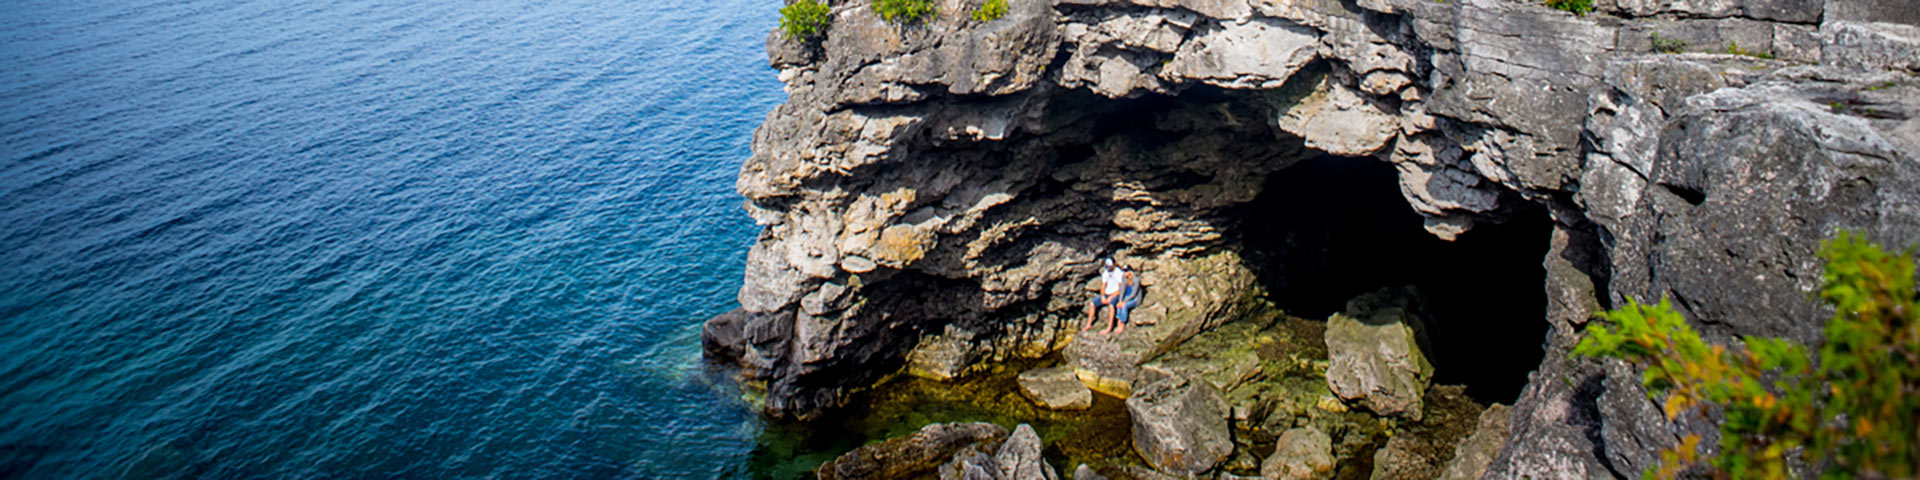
(1359, 235)
(935, 197)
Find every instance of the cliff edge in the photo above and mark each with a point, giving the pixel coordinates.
(935, 196)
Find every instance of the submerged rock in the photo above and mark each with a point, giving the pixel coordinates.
(1056, 388)
(1375, 355)
(1180, 425)
(911, 455)
(1300, 454)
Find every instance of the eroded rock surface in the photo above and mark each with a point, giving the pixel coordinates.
(1056, 388)
(934, 198)
(1375, 355)
(915, 454)
(1180, 425)
(1471, 457)
(1300, 454)
(1019, 458)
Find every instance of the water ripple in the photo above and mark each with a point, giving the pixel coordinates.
(372, 238)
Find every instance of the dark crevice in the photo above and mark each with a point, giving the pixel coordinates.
(1586, 414)
(1693, 196)
(1330, 228)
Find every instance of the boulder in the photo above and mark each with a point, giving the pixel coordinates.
(1180, 425)
(1301, 454)
(1019, 458)
(911, 455)
(1056, 388)
(971, 464)
(1471, 457)
(1374, 353)
(1401, 458)
(1083, 472)
(723, 337)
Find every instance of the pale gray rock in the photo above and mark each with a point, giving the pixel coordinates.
(1260, 53)
(1334, 118)
(1871, 46)
(1180, 425)
(1439, 182)
(1083, 472)
(1019, 458)
(1790, 11)
(1885, 11)
(1375, 353)
(1300, 454)
(971, 464)
(1056, 388)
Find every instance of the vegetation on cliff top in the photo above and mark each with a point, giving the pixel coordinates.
(804, 19)
(904, 11)
(1576, 7)
(990, 11)
(1854, 411)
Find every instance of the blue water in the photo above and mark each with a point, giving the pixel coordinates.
(372, 238)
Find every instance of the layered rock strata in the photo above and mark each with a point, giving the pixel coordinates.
(934, 196)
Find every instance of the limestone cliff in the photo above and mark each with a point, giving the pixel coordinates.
(935, 195)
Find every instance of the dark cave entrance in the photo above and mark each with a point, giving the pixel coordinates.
(1328, 229)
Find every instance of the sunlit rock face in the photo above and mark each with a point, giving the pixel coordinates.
(935, 197)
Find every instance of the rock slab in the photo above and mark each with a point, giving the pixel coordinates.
(911, 455)
(1180, 425)
(1056, 388)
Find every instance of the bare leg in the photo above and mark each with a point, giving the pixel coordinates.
(1109, 322)
(1091, 307)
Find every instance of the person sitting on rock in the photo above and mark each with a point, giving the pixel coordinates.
(1119, 288)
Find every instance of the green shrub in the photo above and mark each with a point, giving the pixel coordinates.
(1576, 7)
(904, 11)
(990, 11)
(1856, 407)
(804, 19)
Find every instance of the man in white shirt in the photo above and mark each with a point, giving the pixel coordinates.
(1117, 285)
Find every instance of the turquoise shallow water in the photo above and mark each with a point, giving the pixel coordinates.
(372, 238)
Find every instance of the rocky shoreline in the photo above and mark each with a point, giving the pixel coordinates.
(935, 197)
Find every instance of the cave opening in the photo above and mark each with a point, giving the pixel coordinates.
(1328, 229)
